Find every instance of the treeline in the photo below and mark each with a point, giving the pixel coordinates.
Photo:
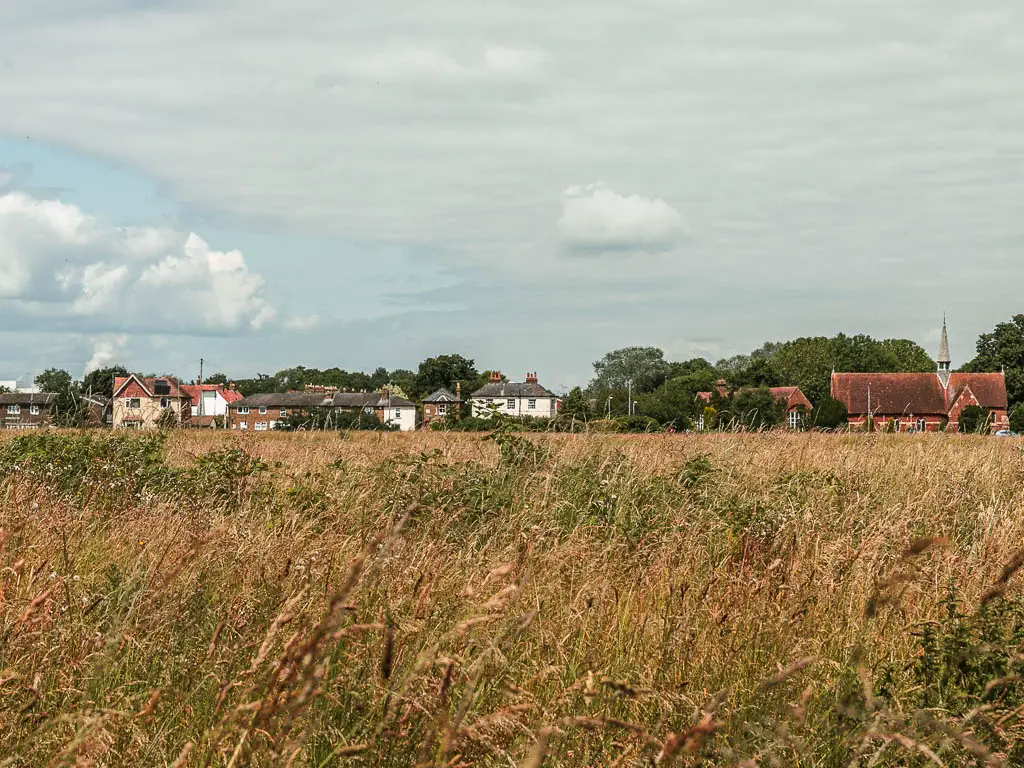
(637, 387)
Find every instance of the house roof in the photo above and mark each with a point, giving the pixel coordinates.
(512, 389)
(370, 400)
(193, 390)
(793, 396)
(321, 400)
(441, 396)
(27, 398)
(148, 384)
(917, 393)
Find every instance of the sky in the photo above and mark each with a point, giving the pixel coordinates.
(264, 183)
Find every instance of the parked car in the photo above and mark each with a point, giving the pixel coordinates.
(1005, 433)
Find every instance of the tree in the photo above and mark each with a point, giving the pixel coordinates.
(1017, 420)
(443, 371)
(101, 381)
(645, 367)
(54, 380)
(1003, 348)
(752, 409)
(829, 414)
(216, 378)
(974, 420)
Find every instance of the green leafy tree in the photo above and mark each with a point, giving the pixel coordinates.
(829, 414)
(1017, 420)
(752, 409)
(101, 381)
(645, 367)
(974, 420)
(54, 380)
(443, 371)
(1003, 348)
(216, 378)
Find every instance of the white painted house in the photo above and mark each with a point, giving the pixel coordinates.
(511, 398)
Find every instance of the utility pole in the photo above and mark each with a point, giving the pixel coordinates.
(201, 398)
(629, 394)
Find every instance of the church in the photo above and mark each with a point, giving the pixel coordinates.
(921, 402)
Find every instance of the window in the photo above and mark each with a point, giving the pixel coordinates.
(368, 409)
(895, 425)
(794, 419)
(261, 426)
(263, 410)
(132, 403)
(490, 401)
(34, 410)
(243, 425)
(243, 411)
(13, 410)
(532, 404)
(398, 413)
(165, 403)
(442, 409)
(284, 412)
(510, 404)
(922, 425)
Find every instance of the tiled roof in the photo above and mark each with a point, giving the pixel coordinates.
(229, 395)
(988, 388)
(149, 383)
(321, 400)
(441, 396)
(793, 396)
(917, 393)
(370, 400)
(27, 398)
(511, 389)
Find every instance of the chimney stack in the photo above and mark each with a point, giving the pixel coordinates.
(531, 378)
(495, 377)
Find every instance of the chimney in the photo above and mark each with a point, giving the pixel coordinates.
(495, 377)
(531, 378)
(722, 387)
(458, 391)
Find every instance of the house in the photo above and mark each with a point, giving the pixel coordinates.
(99, 410)
(149, 402)
(25, 410)
(527, 398)
(796, 402)
(261, 413)
(921, 402)
(210, 402)
(438, 405)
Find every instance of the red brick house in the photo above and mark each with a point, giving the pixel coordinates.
(147, 403)
(920, 402)
(796, 402)
(441, 404)
(25, 410)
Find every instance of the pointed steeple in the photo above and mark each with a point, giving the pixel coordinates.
(944, 360)
(944, 345)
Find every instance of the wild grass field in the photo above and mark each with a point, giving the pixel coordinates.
(201, 599)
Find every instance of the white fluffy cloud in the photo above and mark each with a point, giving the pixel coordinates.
(58, 265)
(105, 352)
(595, 217)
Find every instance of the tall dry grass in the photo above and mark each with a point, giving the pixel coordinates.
(432, 599)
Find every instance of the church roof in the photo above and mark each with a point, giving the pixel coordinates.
(916, 393)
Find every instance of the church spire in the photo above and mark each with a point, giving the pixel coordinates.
(944, 360)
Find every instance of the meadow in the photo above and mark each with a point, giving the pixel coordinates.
(431, 599)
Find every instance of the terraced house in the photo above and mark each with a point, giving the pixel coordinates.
(149, 403)
(25, 410)
(261, 413)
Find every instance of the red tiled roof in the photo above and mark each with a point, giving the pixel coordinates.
(793, 396)
(193, 390)
(148, 384)
(988, 388)
(917, 393)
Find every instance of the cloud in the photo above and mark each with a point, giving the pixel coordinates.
(596, 218)
(59, 265)
(105, 351)
(303, 323)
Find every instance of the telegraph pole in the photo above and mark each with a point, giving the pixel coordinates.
(201, 398)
